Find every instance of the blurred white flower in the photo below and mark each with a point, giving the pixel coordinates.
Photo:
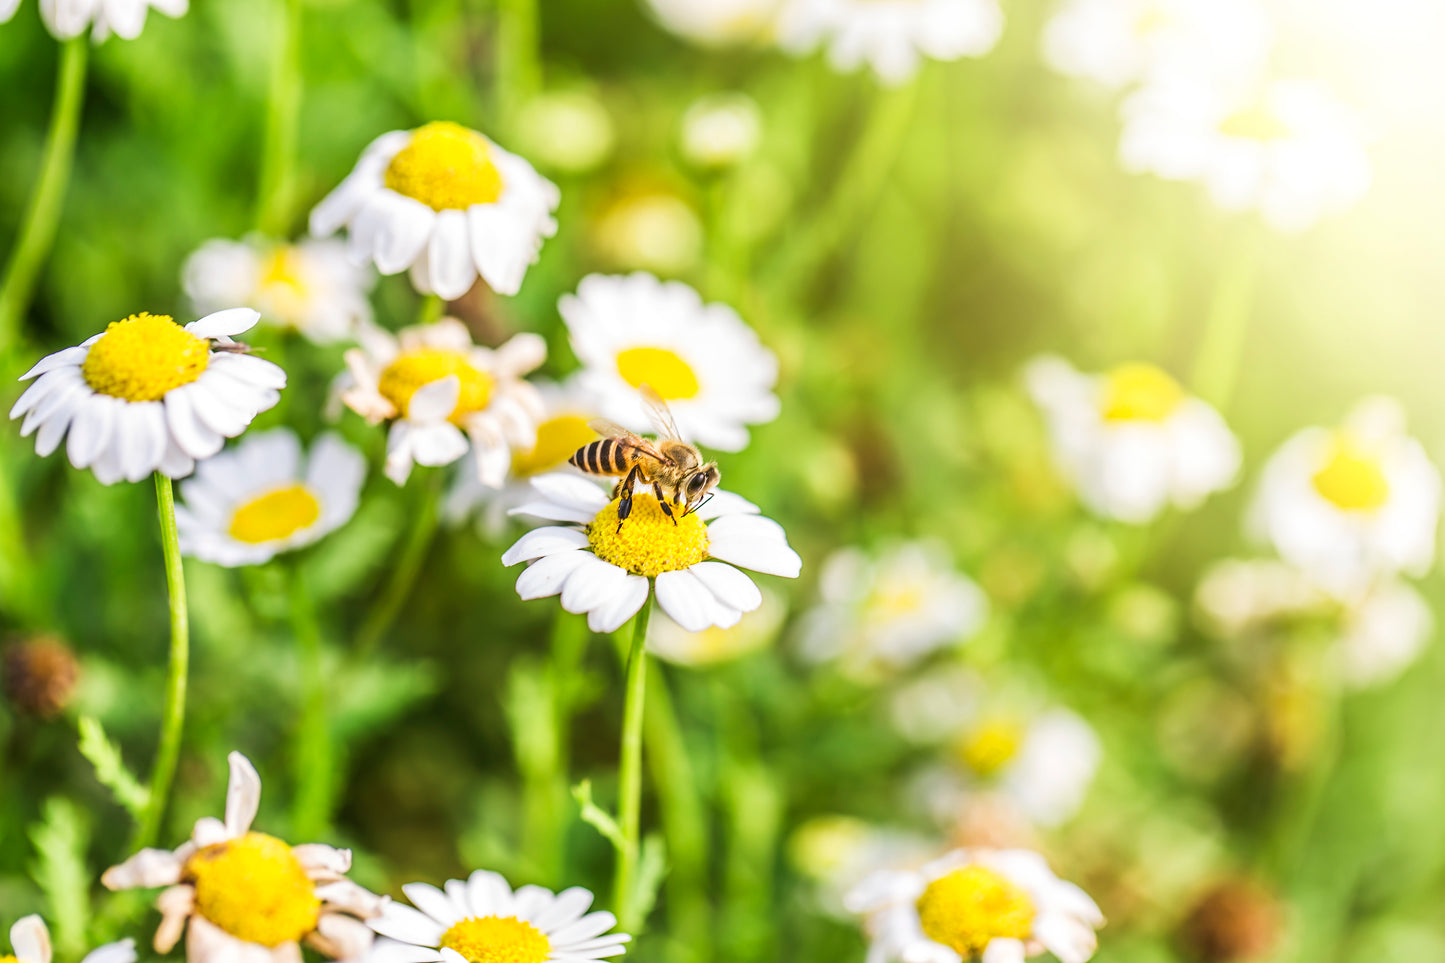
(568, 130)
(702, 359)
(1238, 595)
(606, 569)
(1289, 149)
(148, 395)
(756, 630)
(246, 505)
(445, 202)
(482, 920)
(7, 10)
(1384, 634)
(1119, 42)
(1131, 440)
(890, 36)
(30, 943)
(879, 616)
(1352, 505)
(717, 22)
(443, 394)
(721, 130)
(650, 228)
(563, 428)
(997, 905)
(839, 852)
(125, 18)
(311, 286)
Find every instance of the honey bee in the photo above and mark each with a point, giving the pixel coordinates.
(675, 469)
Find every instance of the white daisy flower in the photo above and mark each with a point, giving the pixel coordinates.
(890, 36)
(30, 943)
(721, 130)
(607, 569)
(880, 616)
(702, 359)
(481, 920)
(311, 286)
(757, 629)
(439, 391)
(1384, 634)
(1352, 505)
(716, 22)
(1118, 42)
(1289, 150)
(125, 18)
(1131, 441)
(563, 428)
(261, 498)
(148, 395)
(447, 203)
(998, 905)
(241, 895)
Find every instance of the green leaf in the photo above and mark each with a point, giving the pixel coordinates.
(60, 840)
(652, 867)
(597, 817)
(110, 768)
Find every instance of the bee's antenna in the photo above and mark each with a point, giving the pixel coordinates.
(693, 508)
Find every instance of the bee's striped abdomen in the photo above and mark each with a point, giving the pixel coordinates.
(605, 457)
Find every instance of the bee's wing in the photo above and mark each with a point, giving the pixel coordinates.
(611, 429)
(661, 417)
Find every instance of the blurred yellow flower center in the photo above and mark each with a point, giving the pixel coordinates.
(497, 939)
(971, 906)
(649, 543)
(1151, 21)
(416, 369)
(1140, 392)
(898, 601)
(1352, 479)
(275, 515)
(557, 439)
(281, 283)
(669, 375)
(1255, 122)
(446, 167)
(991, 746)
(255, 889)
(143, 357)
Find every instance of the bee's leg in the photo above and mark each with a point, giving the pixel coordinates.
(624, 494)
(662, 500)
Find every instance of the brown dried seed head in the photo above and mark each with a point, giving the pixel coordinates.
(38, 676)
(1234, 920)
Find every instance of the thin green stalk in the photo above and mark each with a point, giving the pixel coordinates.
(42, 216)
(629, 775)
(311, 814)
(408, 567)
(1226, 327)
(684, 821)
(855, 191)
(431, 309)
(276, 189)
(519, 65)
(173, 717)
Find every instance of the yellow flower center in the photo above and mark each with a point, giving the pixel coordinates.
(669, 375)
(416, 369)
(1255, 122)
(446, 166)
(557, 439)
(988, 748)
(277, 514)
(497, 939)
(282, 284)
(1140, 392)
(8, 959)
(898, 601)
(1352, 479)
(255, 889)
(971, 906)
(1151, 21)
(143, 357)
(649, 543)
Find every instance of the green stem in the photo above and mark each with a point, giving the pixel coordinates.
(314, 766)
(629, 776)
(545, 762)
(683, 820)
(276, 188)
(855, 191)
(174, 715)
(42, 217)
(431, 309)
(519, 68)
(1226, 327)
(408, 567)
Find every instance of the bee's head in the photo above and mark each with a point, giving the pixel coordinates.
(699, 485)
